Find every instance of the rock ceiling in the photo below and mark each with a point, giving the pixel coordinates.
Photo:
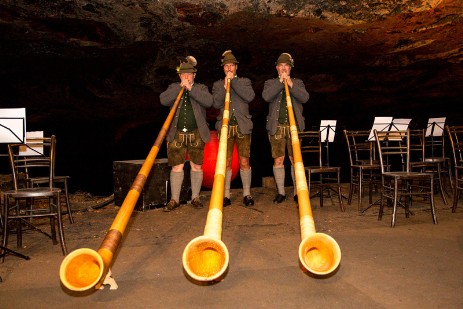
(88, 64)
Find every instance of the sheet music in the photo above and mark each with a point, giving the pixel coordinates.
(328, 129)
(32, 151)
(12, 125)
(400, 124)
(435, 126)
(380, 124)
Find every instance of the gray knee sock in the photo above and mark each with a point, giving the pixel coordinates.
(196, 183)
(279, 173)
(176, 180)
(294, 180)
(246, 177)
(228, 175)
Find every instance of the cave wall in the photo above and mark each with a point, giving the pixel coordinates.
(92, 72)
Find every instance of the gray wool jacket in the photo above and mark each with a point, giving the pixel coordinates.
(273, 92)
(241, 94)
(200, 99)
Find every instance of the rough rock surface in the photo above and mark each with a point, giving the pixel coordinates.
(91, 71)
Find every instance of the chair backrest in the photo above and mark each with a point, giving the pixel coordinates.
(435, 146)
(455, 134)
(417, 145)
(35, 158)
(311, 148)
(393, 150)
(361, 150)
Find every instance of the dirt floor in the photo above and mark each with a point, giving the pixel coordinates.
(416, 264)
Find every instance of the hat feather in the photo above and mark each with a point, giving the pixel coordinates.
(191, 60)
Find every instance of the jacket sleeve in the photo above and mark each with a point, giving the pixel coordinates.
(272, 89)
(299, 92)
(218, 93)
(243, 88)
(167, 98)
(200, 93)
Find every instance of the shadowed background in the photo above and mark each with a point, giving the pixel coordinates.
(91, 72)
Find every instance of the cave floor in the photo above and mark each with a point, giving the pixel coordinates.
(416, 264)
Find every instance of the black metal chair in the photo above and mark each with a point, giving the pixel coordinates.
(329, 177)
(455, 134)
(365, 169)
(58, 180)
(420, 162)
(26, 206)
(399, 185)
(436, 150)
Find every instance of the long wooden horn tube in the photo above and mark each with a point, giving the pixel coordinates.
(205, 258)
(84, 268)
(319, 253)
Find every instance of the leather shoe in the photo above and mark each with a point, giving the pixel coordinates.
(196, 203)
(226, 202)
(279, 198)
(247, 200)
(171, 205)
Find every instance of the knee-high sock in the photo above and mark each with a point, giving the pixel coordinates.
(176, 180)
(196, 183)
(294, 180)
(246, 177)
(279, 173)
(228, 175)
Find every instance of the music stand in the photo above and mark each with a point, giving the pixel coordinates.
(12, 130)
(400, 124)
(380, 124)
(327, 132)
(12, 125)
(28, 150)
(386, 124)
(435, 128)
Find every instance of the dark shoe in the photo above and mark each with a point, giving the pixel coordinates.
(171, 205)
(226, 202)
(279, 198)
(295, 198)
(247, 200)
(196, 203)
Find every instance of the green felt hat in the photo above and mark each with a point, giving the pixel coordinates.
(228, 57)
(285, 58)
(187, 65)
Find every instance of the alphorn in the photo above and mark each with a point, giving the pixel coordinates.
(205, 258)
(85, 268)
(319, 253)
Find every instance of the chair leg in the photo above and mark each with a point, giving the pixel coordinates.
(456, 192)
(322, 188)
(5, 224)
(339, 191)
(381, 207)
(51, 205)
(449, 174)
(359, 207)
(60, 225)
(394, 209)
(351, 187)
(68, 204)
(441, 187)
(431, 197)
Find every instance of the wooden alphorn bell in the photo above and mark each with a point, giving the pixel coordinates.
(319, 253)
(84, 268)
(205, 258)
